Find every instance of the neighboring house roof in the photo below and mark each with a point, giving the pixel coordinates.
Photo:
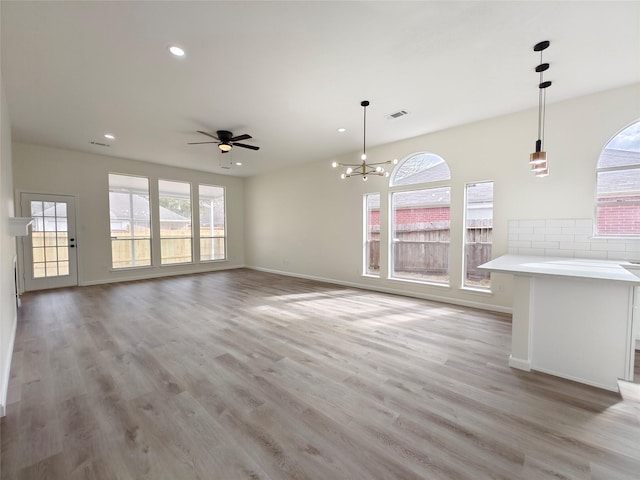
(119, 205)
(218, 214)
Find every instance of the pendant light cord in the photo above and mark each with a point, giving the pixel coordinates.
(364, 134)
(540, 91)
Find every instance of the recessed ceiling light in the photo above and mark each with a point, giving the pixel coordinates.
(342, 130)
(177, 51)
(109, 136)
(239, 164)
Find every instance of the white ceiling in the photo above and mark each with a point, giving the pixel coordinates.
(291, 73)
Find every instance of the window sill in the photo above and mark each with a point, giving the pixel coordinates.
(127, 269)
(616, 237)
(481, 291)
(419, 282)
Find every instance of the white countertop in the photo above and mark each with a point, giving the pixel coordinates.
(567, 267)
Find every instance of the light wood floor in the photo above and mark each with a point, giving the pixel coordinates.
(242, 374)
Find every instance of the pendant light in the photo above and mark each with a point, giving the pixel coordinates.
(538, 159)
(364, 169)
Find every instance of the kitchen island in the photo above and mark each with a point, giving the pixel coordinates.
(573, 318)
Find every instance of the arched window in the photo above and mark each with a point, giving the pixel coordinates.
(618, 184)
(420, 168)
(420, 219)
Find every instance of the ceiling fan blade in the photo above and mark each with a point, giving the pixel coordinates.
(240, 137)
(198, 143)
(244, 145)
(207, 134)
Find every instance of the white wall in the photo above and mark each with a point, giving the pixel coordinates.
(305, 221)
(38, 169)
(7, 253)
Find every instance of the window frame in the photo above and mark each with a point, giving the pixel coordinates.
(162, 238)
(618, 201)
(465, 285)
(213, 237)
(132, 238)
(403, 187)
(366, 232)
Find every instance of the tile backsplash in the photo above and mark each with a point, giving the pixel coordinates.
(571, 237)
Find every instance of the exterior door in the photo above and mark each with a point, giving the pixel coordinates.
(49, 251)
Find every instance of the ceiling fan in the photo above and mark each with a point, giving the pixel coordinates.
(226, 141)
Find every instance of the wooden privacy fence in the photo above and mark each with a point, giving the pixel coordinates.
(176, 247)
(426, 251)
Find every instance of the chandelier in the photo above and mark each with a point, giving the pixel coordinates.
(364, 169)
(538, 159)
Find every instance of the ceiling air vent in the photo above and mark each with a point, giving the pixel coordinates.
(398, 114)
(100, 144)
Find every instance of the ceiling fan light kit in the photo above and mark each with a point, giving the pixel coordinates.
(226, 141)
(364, 169)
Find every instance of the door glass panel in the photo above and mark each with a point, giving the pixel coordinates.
(49, 239)
(63, 268)
(38, 270)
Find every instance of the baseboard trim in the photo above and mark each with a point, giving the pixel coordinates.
(7, 369)
(519, 363)
(393, 291)
(150, 275)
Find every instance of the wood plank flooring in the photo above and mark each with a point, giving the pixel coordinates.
(248, 375)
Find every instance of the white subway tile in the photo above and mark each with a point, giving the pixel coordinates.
(575, 245)
(616, 247)
(545, 245)
(531, 237)
(531, 251)
(548, 230)
(584, 222)
(532, 223)
(559, 238)
(554, 252)
(576, 231)
(519, 244)
(621, 256)
(567, 222)
(590, 254)
(632, 256)
(632, 246)
(520, 230)
(582, 238)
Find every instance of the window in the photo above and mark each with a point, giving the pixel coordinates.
(130, 221)
(618, 185)
(176, 233)
(420, 219)
(478, 233)
(372, 234)
(213, 234)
